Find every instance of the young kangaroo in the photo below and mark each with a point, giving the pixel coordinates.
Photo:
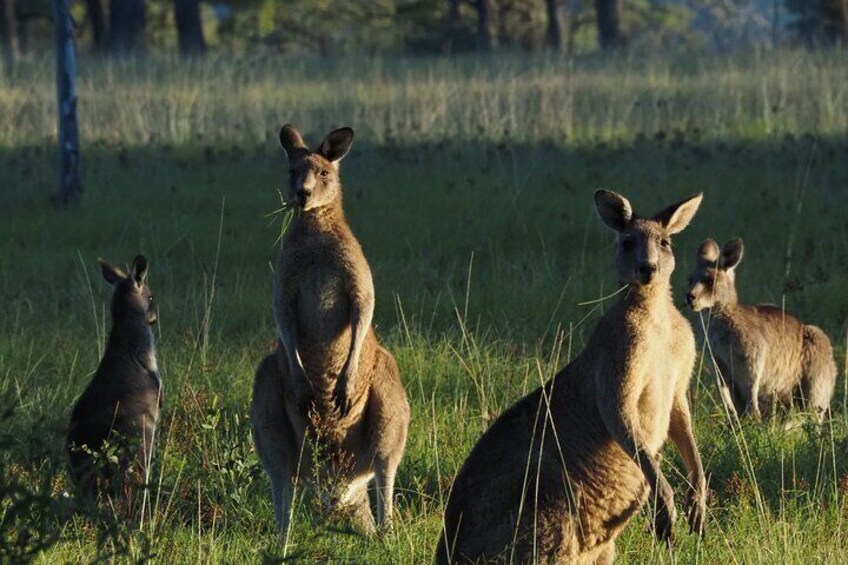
(765, 356)
(558, 475)
(120, 407)
(329, 377)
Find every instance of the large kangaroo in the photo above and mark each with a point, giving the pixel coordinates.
(120, 407)
(765, 356)
(559, 475)
(329, 376)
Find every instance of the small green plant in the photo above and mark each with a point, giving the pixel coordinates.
(231, 461)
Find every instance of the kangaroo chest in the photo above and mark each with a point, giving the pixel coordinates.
(318, 276)
(659, 386)
(146, 356)
(651, 370)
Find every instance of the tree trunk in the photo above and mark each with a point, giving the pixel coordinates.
(126, 26)
(451, 26)
(189, 27)
(70, 188)
(554, 34)
(608, 25)
(484, 25)
(843, 17)
(94, 13)
(8, 33)
(503, 35)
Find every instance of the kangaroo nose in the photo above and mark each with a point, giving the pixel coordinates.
(690, 298)
(647, 269)
(303, 194)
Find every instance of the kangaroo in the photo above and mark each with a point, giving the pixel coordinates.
(766, 357)
(559, 475)
(329, 377)
(120, 407)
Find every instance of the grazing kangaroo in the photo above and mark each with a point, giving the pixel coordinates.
(559, 475)
(765, 356)
(118, 412)
(329, 377)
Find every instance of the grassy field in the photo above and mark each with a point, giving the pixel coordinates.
(470, 187)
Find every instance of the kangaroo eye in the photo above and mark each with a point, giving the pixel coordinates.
(150, 299)
(665, 244)
(324, 174)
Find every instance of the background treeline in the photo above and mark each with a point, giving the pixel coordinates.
(328, 27)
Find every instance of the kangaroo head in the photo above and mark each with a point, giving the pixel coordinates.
(643, 245)
(714, 279)
(131, 297)
(314, 175)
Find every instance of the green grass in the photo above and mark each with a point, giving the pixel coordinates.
(470, 187)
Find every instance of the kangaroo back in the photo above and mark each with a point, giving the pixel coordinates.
(116, 415)
(819, 370)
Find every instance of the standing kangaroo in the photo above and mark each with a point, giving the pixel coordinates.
(329, 377)
(764, 355)
(559, 475)
(119, 409)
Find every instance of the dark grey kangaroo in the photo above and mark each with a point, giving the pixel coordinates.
(116, 416)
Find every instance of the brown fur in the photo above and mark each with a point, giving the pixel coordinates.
(765, 356)
(559, 475)
(121, 403)
(329, 378)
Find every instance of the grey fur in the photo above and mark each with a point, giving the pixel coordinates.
(120, 406)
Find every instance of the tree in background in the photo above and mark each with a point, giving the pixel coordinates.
(508, 24)
(70, 187)
(333, 27)
(554, 33)
(322, 27)
(485, 37)
(95, 17)
(820, 21)
(189, 27)
(452, 26)
(8, 33)
(126, 26)
(609, 34)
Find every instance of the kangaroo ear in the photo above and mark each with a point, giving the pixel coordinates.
(676, 217)
(732, 253)
(336, 145)
(614, 209)
(292, 142)
(138, 271)
(111, 274)
(708, 251)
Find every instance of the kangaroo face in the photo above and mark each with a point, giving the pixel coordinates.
(132, 299)
(643, 253)
(713, 281)
(643, 245)
(314, 179)
(313, 182)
